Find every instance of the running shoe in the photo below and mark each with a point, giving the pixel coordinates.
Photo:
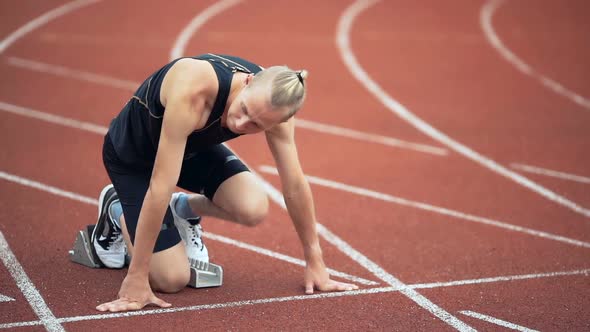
(107, 238)
(191, 233)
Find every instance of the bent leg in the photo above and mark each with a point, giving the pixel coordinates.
(228, 190)
(243, 198)
(169, 268)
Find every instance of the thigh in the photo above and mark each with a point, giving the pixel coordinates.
(243, 198)
(205, 172)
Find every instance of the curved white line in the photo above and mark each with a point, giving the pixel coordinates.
(361, 75)
(42, 20)
(196, 23)
(486, 15)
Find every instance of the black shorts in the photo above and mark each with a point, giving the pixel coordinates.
(203, 174)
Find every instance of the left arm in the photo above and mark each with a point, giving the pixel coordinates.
(299, 201)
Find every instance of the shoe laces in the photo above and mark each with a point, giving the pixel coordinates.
(196, 235)
(114, 238)
(117, 241)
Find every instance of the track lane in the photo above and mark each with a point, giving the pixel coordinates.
(214, 37)
(543, 37)
(531, 303)
(24, 12)
(497, 124)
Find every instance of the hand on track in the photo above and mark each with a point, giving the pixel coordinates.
(317, 277)
(134, 295)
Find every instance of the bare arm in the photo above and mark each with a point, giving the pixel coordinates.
(296, 191)
(299, 201)
(185, 92)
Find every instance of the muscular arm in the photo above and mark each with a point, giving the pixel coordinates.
(299, 201)
(296, 190)
(184, 93)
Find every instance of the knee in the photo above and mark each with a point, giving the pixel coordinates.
(170, 281)
(252, 211)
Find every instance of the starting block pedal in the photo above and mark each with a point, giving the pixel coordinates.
(203, 274)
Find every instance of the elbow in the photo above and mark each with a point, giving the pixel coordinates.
(159, 191)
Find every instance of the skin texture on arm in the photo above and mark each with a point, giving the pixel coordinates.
(281, 141)
(186, 99)
(299, 201)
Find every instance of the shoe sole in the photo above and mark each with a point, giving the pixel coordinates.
(103, 193)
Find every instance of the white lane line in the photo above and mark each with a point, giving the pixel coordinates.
(27, 287)
(16, 270)
(282, 257)
(206, 306)
(4, 298)
(363, 77)
(42, 20)
(72, 73)
(496, 321)
(389, 141)
(372, 267)
(304, 297)
(51, 118)
(196, 23)
(486, 18)
(548, 172)
(50, 189)
(410, 293)
(177, 51)
(431, 208)
(84, 199)
(585, 272)
(300, 123)
(101, 131)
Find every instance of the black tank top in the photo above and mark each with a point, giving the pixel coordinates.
(135, 132)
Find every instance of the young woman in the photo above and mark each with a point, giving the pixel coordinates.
(169, 134)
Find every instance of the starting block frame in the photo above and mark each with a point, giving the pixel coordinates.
(203, 274)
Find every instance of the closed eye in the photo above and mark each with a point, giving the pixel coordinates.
(245, 111)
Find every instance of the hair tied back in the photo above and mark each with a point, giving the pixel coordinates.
(300, 76)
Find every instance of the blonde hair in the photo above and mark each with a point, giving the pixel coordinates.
(287, 87)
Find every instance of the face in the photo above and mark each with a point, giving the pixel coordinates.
(250, 112)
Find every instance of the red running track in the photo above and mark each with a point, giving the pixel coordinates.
(432, 57)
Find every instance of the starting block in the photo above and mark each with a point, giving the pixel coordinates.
(203, 274)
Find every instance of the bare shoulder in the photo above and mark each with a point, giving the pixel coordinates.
(189, 78)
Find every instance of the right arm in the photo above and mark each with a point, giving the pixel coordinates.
(185, 91)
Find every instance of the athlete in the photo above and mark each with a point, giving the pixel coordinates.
(169, 134)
